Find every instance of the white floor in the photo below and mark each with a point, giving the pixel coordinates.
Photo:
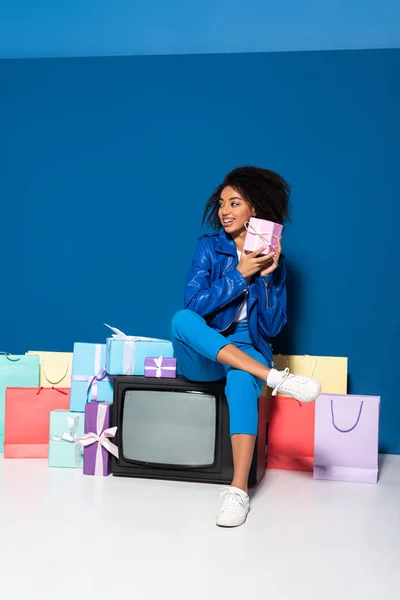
(64, 535)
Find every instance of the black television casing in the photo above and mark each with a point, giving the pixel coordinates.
(221, 471)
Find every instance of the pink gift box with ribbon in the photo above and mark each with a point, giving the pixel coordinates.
(96, 443)
(262, 233)
(160, 367)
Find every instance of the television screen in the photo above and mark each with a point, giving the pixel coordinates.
(170, 428)
(177, 429)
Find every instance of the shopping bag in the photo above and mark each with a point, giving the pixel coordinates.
(27, 419)
(290, 434)
(55, 368)
(15, 371)
(331, 371)
(346, 438)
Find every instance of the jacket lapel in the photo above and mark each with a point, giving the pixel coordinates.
(226, 245)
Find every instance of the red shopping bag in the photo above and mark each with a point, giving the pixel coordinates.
(26, 433)
(290, 434)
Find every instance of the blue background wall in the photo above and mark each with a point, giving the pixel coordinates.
(46, 28)
(107, 165)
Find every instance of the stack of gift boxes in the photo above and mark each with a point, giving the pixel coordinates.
(58, 405)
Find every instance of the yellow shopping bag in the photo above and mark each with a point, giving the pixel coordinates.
(55, 368)
(329, 370)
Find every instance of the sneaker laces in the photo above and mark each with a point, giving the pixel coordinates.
(286, 374)
(232, 500)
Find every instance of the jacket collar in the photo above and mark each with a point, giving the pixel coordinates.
(225, 244)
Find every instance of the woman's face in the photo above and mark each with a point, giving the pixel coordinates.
(234, 211)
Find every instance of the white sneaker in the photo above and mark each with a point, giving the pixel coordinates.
(234, 509)
(303, 389)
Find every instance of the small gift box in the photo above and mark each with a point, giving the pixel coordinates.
(262, 233)
(55, 368)
(66, 428)
(90, 381)
(28, 410)
(160, 367)
(96, 441)
(126, 354)
(15, 371)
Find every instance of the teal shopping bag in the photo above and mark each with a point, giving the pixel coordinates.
(15, 371)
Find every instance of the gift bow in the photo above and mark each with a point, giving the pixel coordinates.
(101, 438)
(71, 437)
(255, 230)
(129, 347)
(120, 335)
(100, 375)
(159, 366)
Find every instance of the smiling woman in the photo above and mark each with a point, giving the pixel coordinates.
(229, 320)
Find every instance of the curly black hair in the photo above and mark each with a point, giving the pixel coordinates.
(267, 191)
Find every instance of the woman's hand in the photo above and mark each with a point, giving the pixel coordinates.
(252, 263)
(273, 261)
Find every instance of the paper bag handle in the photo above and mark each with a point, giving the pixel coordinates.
(49, 380)
(351, 428)
(313, 371)
(7, 355)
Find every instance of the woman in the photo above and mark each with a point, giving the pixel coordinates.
(235, 303)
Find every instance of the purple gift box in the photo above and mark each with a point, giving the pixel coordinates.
(262, 233)
(160, 367)
(96, 441)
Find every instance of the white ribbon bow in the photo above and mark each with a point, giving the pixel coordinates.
(72, 437)
(101, 437)
(158, 368)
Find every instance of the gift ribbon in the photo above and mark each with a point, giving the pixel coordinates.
(129, 357)
(7, 355)
(351, 428)
(100, 375)
(71, 438)
(101, 438)
(158, 368)
(255, 230)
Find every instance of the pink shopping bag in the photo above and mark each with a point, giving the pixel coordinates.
(346, 438)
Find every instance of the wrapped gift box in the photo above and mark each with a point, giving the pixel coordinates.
(126, 354)
(66, 428)
(15, 371)
(160, 367)
(97, 442)
(26, 433)
(55, 368)
(90, 381)
(262, 233)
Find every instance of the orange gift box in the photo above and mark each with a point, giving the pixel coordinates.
(27, 419)
(290, 434)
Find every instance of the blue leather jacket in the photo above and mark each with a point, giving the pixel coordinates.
(215, 290)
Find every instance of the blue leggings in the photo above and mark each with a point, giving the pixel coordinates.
(196, 347)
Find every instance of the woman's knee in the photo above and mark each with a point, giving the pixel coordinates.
(181, 320)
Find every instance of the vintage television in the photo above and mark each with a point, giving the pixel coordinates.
(176, 429)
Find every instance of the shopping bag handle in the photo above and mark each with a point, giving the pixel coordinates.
(351, 428)
(305, 356)
(49, 380)
(7, 355)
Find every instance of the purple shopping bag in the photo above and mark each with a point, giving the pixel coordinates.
(346, 438)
